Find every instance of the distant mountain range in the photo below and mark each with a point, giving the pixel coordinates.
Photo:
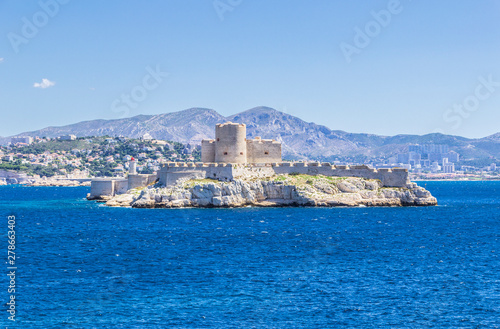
(301, 140)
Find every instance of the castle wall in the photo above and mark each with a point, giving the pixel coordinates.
(207, 150)
(230, 143)
(173, 172)
(121, 186)
(102, 187)
(263, 151)
(139, 180)
(260, 170)
(113, 186)
(396, 177)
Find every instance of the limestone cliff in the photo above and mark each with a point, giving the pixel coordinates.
(279, 190)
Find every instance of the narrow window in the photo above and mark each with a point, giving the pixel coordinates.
(225, 153)
(266, 152)
(217, 139)
(241, 153)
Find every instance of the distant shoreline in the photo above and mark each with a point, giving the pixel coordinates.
(454, 180)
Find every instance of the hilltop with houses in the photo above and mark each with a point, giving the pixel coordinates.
(74, 157)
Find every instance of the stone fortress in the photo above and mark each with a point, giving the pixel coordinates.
(232, 156)
(231, 146)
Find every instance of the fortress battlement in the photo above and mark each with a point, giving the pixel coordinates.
(229, 123)
(263, 141)
(170, 175)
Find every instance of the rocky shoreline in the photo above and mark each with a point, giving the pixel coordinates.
(276, 191)
(57, 182)
(51, 182)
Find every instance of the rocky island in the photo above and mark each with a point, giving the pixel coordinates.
(276, 191)
(239, 172)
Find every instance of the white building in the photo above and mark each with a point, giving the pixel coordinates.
(448, 167)
(147, 137)
(21, 140)
(435, 167)
(67, 138)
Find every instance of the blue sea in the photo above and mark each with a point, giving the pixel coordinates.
(83, 265)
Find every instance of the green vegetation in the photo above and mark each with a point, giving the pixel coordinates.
(200, 181)
(29, 169)
(99, 156)
(280, 178)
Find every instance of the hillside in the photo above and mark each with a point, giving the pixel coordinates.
(96, 156)
(301, 140)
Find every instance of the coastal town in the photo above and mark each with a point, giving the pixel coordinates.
(70, 160)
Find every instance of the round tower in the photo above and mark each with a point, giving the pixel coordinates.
(230, 143)
(208, 150)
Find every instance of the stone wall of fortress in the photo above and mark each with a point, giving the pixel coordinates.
(112, 186)
(263, 151)
(395, 177)
(171, 173)
(208, 150)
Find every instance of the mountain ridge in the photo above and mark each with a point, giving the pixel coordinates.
(300, 139)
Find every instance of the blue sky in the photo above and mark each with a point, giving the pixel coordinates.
(382, 67)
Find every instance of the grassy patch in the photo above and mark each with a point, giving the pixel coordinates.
(200, 181)
(280, 178)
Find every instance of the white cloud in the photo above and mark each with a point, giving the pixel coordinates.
(46, 83)
(1, 59)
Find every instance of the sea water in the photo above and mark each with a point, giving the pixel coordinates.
(84, 265)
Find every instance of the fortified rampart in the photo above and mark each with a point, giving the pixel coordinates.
(112, 186)
(263, 150)
(171, 173)
(395, 177)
